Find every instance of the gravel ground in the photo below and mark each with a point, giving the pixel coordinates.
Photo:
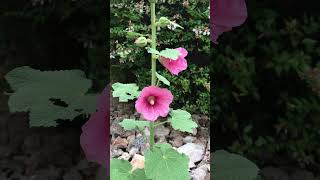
(129, 145)
(40, 153)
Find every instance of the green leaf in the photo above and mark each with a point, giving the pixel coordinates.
(125, 92)
(153, 51)
(228, 166)
(165, 163)
(247, 129)
(163, 79)
(50, 95)
(172, 54)
(181, 120)
(131, 124)
(121, 170)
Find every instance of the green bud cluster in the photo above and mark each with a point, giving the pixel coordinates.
(163, 22)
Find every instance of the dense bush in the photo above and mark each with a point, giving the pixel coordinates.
(193, 15)
(265, 102)
(60, 34)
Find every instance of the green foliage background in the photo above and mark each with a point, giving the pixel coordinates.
(190, 88)
(265, 101)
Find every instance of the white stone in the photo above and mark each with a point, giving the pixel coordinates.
(193, 151)
(125, 156)
(133, 151)
(137, 161)
(199, 173)
(189, 139)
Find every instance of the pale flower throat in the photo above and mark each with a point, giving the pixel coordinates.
(151, 100)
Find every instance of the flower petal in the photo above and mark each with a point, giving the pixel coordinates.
(226, 14)
(183, 52)
(94, 139)
(163, 99)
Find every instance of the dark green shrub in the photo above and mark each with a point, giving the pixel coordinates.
(266, 99)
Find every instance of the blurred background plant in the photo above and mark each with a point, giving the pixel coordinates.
(265, 102)
(191, 89)
(60, 34)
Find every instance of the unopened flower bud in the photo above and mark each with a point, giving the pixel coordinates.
(163, 22)
(141, 41)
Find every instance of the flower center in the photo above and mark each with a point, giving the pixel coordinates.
(151, 100)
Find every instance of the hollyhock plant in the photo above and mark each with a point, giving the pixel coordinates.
(161, 161)
(226, 14)
(154, 102)
(178, 65)
(94, 139)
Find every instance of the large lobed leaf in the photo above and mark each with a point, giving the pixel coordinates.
(122, 170)
(131, 124)
(41, 93)
(181, 120)
(165, 163)
(125, 92)
(228, 166)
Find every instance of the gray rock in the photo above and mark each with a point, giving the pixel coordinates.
(161, 131)
(120, 143)
(146, 132)
(144, 148)
(116, 129)
(207, 177)
(162, 139)
(189, 139)
(133, 151)
(200, 173)
(178, 141)
(194, 151)
(203, 132)
(130, 140)
(194, 131)
(139, 141)
(125, 156)
(116, 152)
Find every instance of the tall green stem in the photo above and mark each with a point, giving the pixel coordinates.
(153, 61)
(153, 43)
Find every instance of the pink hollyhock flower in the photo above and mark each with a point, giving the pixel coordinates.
(154, 102)
(176, 66)
(94, 139)
(226, 14)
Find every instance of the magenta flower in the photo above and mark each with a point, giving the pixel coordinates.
(226, 14)
(176, 66)
(94, 139)
(154, 102)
